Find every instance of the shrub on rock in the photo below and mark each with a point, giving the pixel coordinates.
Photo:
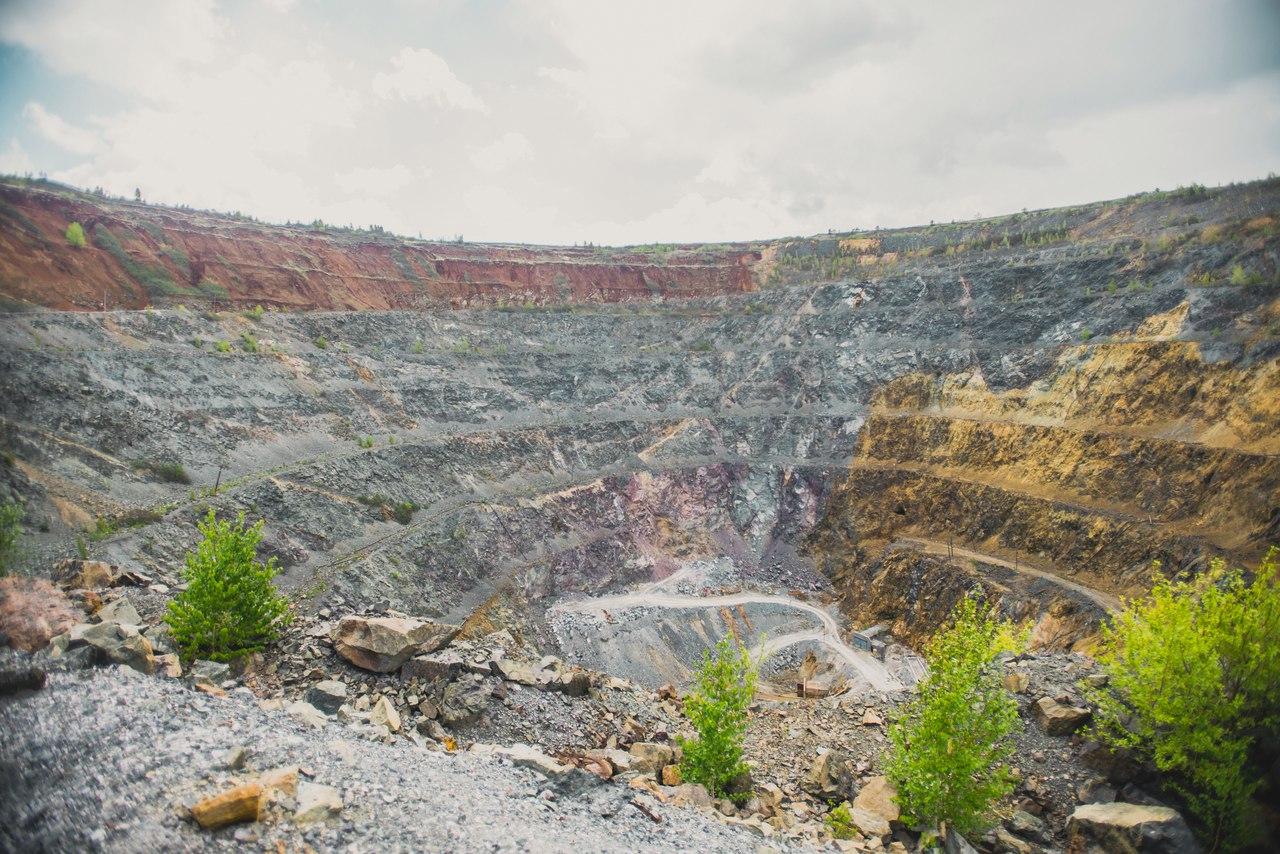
(1194, 686)
(723, 688)
(950, 746)
(230, 607)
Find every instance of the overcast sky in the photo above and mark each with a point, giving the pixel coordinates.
(564, 121)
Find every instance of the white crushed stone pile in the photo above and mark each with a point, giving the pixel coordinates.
(106, 760)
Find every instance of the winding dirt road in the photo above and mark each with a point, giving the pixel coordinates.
(933, 547)
(827, 633)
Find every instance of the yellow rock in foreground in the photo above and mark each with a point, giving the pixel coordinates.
(229, 807)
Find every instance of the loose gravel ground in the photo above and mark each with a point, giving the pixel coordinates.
(107, 760)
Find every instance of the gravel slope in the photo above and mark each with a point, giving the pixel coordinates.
(106, 760)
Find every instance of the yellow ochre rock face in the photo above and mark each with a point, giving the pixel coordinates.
(1060, 494)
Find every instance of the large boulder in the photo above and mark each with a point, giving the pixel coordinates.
(876, 809)
(120, 611)
(464, 702)
(649, 757)
(73, 573)
(382, 644)
(327, 696)
(443, 665)
(33, 612)
(1057, 719)
(114, 643)
(831, 777)
(1120, 828)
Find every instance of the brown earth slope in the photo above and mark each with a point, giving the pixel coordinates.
(138, 255)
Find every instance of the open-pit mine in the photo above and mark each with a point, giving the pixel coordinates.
(618, 457)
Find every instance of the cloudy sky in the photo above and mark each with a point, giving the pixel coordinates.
(563, 121)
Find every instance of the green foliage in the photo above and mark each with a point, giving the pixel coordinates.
(723, 688)
(365, 441)
(11, 513)
(213, 290)
(229, 607)
(417, 347)
(950, 745)
(320, 342)
(1239, 277)
(167, 472)
(1194, 680)
(155, 280)
(1085, 334)
(840, 822)
(403, 512)
(248, 343)
(180, 260)
(254, 313)
(75, 235)
(223, 346)
(82, 547)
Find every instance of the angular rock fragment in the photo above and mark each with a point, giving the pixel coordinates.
(382, 644)
(464, 702)
(229, 807)
(279, 782)
(650, 758)
(385, 714)
(443, 665)
(306, 713)
(1057, 719)
(830, 777)
(875, 808)
(1129, 828)
(120, 611)
(327, 696)
(316, 802)
(72, 573)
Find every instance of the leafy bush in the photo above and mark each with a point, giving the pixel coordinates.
(229, 607)
(248, 343)
(75, 235)
(840, 822)
(11, 513)
(950, 744)
(321, 343)
(166, 472)
(717, 708)
(1194, 681)
(222, 346)
(403, 512)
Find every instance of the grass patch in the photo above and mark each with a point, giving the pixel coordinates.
(156, 281)
(166, 472)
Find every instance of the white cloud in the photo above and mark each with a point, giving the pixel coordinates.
(377, 182)
(613, 133)
(59, 132)
(142, 47)
(496, 156)
(420, 74)
(14, 160)
(747, 119)
(693, 214)
(726, 167)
